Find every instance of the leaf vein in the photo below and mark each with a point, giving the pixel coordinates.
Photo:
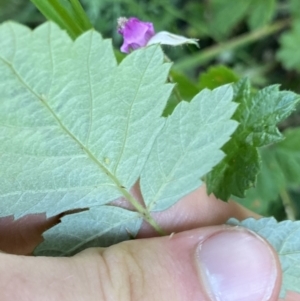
(129, 114)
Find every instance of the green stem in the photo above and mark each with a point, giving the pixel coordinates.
(288, 204)
(211, 52)
(143, 211)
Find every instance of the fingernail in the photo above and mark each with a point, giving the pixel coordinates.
(236, 265)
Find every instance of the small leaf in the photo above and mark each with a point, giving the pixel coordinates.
(98, 227)
(223, 18)
(288, 156)
(187, 88)
(289, 54)
(261, 12)
(236, 172)
(284, 237)
(268, 185)
(258, 114)
(187, 147)
(280, 170)
(217, 76)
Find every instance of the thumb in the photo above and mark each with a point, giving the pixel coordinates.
(214, 263)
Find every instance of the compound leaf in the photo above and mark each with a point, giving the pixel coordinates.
(79, 128)
(77, 131)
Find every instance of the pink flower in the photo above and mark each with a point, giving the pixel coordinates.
(136, 33)
(139, 34)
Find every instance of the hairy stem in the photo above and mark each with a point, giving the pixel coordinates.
(143, 211)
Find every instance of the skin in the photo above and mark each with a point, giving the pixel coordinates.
(124, 272)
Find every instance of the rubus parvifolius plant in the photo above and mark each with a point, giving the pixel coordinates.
(78, 130)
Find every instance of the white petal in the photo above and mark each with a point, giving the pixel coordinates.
(167, 38)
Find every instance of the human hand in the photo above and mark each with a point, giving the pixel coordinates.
(203, 260)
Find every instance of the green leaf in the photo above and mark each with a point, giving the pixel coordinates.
(284, 237)
(258, 113)
(102, 226)
(261, 12)
(288, 157)
(280, 170)
(289, 54)
(223, 17)
(236, 172)
(85, 128)
(77, 131)
(185, 90)
(268, 185)
(295, 8)
(178, 160)
(217, 76)
(186, 87)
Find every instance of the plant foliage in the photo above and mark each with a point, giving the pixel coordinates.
(77, 131)
(280, 171)
(257, 114)
(80, 124)
(224, 17)
(289, 54)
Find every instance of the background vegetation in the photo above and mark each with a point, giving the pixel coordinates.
(249, 38)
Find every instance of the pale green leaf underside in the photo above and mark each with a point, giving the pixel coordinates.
(77, 131)
(284, 237)
(74, 128)
(188, 147)
(102, 226)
